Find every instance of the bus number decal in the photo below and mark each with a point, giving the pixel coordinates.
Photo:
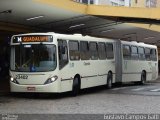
(86, 63)
(21, 77)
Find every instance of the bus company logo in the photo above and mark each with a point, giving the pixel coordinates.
(19, 39)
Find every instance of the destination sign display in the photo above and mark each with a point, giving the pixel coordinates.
(33, 38)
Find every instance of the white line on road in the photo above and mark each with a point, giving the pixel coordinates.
(138, 89)
(119, 88)
(155, 90)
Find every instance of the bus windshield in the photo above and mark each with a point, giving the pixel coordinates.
(33, 58)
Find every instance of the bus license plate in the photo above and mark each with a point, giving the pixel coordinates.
(31, 89)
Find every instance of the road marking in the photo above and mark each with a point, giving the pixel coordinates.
(119, 88)
(138, 89)
(155, 90)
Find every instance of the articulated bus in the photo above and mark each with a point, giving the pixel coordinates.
(55, 63)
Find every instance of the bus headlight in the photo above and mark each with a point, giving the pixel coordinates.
(50, 80)
(14, 80)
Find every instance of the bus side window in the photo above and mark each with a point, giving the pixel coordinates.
(153, 55)
(141, 53)
(63, 53)
(93, 50)
(84, 50)
(74, 50)
(147, 54)
(102, 51)
(126, 52)
(134, 52)
(109, 51)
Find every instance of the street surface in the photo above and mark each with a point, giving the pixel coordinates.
(127, 99)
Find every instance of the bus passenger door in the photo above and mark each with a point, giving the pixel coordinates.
(66, 81)
(154, 64)
(62, 53)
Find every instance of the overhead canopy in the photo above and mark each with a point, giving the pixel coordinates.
(66, 16)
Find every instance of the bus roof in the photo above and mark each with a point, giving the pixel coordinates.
(134, 43)
(80, 37)
(69, 36)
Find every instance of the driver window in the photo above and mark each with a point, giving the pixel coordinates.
(63, 53)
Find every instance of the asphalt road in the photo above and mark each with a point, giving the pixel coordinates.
(127, 99)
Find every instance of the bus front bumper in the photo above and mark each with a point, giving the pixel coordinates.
(47, 88)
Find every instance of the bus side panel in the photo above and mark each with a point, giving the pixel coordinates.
(154, 71)
(148, 69)
(118, 61)
(67, 75)
(132, 70)
(97, 73)
(92, 73)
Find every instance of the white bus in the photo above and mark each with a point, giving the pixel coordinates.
(55, 63)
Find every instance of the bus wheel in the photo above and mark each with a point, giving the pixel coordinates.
(75, 87)
(143, 78)
(109, 81)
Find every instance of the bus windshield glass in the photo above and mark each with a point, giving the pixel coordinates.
(33, 58)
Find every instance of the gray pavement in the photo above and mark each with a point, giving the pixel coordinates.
(93, 103)
(125, 99)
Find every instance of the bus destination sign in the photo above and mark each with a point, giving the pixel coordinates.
(33, 38)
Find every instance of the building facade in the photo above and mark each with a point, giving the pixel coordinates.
(132, 3)
(114, 2)
(88, 1)
(145, 3)
(106, 2)
(128, 3)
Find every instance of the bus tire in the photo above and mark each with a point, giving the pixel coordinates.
(109, 81)
(143, 77)
(75, 87)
